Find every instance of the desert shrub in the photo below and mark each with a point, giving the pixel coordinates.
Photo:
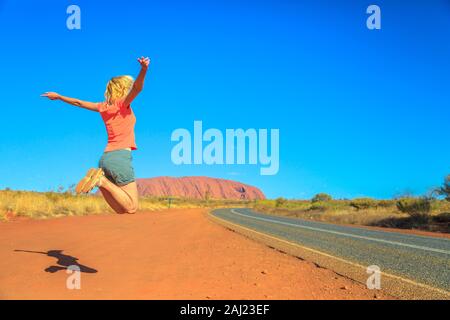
(279, 202)
(364, 203)
(259, 204)
(52, 196)
(418, 208)
(298, 204)
(445, 189)
(318, 206)
(442, 218)
(321, 197)
(385, 203)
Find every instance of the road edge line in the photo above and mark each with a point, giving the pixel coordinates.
(397, 286)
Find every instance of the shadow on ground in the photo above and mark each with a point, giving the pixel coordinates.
(63, 261)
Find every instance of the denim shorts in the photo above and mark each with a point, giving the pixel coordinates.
(118, 167)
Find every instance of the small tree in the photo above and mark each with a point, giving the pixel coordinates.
(417, 208)
(445, 189)
(71, 189)
(363, 203)
(321, 197)
(280, 202)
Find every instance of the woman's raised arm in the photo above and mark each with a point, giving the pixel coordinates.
(138, 85)
(75, 102)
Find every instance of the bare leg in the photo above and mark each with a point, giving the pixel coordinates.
(122, 199)
(111, 201)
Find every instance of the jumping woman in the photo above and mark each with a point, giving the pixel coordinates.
(115, 175)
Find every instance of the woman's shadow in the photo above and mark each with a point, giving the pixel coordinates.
(63, 261)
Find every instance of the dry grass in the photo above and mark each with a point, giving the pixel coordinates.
(52, 204)
(363, 212)
(343, 216)
(382, 213)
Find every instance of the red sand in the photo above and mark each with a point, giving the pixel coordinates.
(176, 254)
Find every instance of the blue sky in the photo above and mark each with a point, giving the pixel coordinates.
(360, 112)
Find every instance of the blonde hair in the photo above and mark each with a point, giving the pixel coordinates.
(118, 88)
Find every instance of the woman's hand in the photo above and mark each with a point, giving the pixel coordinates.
(144, 62)
(138, 85)
(51, 95)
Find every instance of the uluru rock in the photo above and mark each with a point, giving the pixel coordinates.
(198, 188)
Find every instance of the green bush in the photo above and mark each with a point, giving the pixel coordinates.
(385, 203)
(321, 197)
(279, 202)
(364, 203)
(445, 189)
(443, 217)
(419, 208)
(318, 206)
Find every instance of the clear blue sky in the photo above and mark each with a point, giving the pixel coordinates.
(360, 112)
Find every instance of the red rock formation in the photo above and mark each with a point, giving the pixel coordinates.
(197, 188)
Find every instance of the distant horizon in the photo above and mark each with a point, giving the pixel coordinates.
(393, 197)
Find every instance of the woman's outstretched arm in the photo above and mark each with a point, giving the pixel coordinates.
(138, 85)
(75, 102)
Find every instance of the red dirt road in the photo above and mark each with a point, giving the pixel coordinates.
(176, 254)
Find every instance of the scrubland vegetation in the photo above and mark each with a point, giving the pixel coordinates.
(57, 204)
(430, 213)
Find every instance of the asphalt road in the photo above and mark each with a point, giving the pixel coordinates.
(419, 258)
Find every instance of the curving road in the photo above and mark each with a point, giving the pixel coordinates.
(421, 259)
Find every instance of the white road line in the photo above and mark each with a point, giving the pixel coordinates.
(343, 234)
